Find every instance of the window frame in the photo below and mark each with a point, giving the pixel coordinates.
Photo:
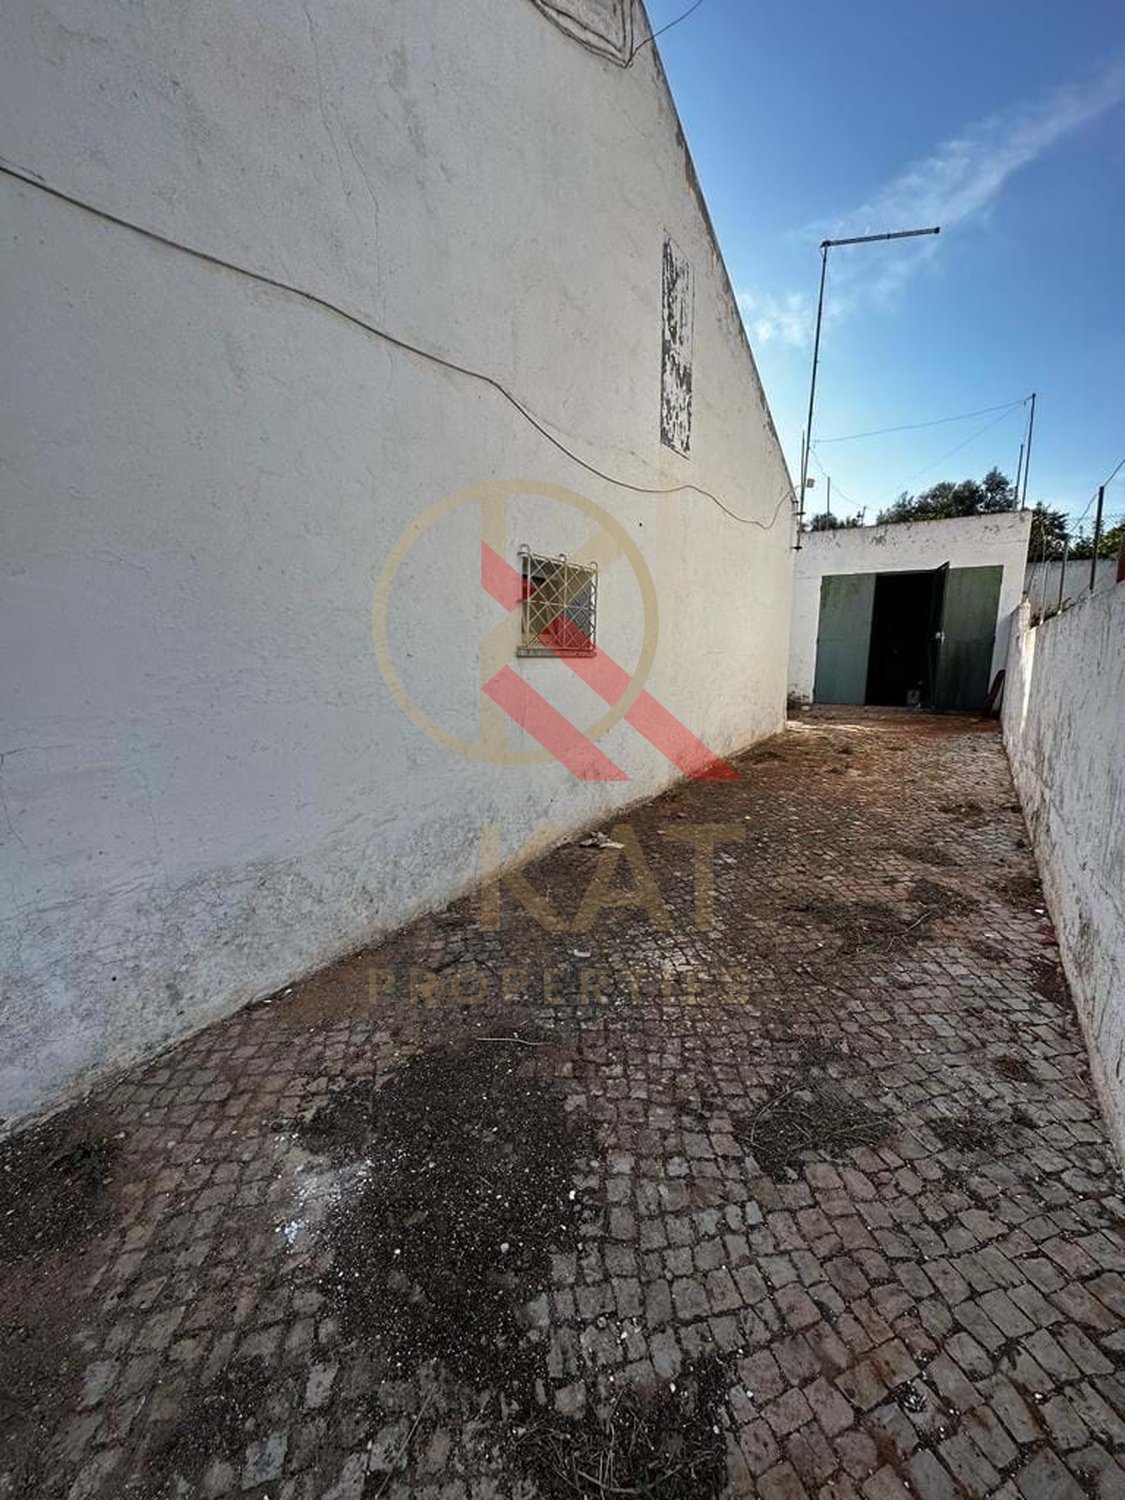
(537, 571)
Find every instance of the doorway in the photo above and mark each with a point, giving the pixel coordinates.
(899, 662)
(924, 637)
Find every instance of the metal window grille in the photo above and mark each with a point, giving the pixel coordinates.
(559, 608)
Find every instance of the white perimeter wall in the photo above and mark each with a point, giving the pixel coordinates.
(972, 542)
(1042, 580)
(1064, 728)
(207, 787)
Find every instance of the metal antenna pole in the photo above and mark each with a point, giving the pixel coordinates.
(1027, 464)
(812, 392)
(1019, 475)
(1097, 536)
(825, 246)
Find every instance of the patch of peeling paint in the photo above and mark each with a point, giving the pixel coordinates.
(676, 350)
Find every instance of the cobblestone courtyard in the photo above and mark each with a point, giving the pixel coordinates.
(786, 1179)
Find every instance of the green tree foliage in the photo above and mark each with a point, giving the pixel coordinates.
(1108, 546)
(983, 497)
(963, 497)
(826, 521)
(1049, 533)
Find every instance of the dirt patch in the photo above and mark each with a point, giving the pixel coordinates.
(215, 1422)
(338, 1128)
(989, 951)
(55, 1182)
(814, 1052)
(1015, 1068)
(323, 999)
(1020, 890)
(925, 854)
(465, 1190)
(861, 924)
(56, 1198)
(879, 924)
(941, 900)
(665, 1444)
(969, 813)
(967, 1132)
(1050, 981)
(808, 1115)
(760, 757)
(37, 1377)
(801, 1052)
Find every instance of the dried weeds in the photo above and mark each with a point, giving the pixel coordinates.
(808, 1116)
(666, 1444)
(967, 1132)
(1021, 890)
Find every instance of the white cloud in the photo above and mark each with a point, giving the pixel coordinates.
(785, 320)
(961, 177)
(955, 184)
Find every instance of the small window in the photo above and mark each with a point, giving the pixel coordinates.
(558, 613)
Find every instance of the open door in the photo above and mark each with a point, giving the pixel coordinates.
(965, 638)
(843, 637)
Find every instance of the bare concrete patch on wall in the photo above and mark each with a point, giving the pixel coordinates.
(675, 359)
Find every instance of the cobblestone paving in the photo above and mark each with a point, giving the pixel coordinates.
(841, 1136)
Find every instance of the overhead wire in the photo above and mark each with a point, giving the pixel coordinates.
(925, 469)
(1086, 512)
(662, 29)
(1104, 485)
(33, 180)
(843, 494)
(849, 437)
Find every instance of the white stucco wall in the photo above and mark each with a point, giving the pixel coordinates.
(207, 788)
(1064, 728)
(971, 542)
(1042, 580)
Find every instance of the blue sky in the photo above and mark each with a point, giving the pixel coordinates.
(1003, 122)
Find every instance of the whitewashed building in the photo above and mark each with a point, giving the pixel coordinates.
(912, 613)
(281, 280)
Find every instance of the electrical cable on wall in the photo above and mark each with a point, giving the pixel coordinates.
(607, 53)
(32, 180)
(660, 30)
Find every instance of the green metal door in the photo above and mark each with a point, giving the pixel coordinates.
(967, 636)
(844, 637)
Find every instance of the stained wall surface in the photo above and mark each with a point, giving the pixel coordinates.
(1064, 728)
